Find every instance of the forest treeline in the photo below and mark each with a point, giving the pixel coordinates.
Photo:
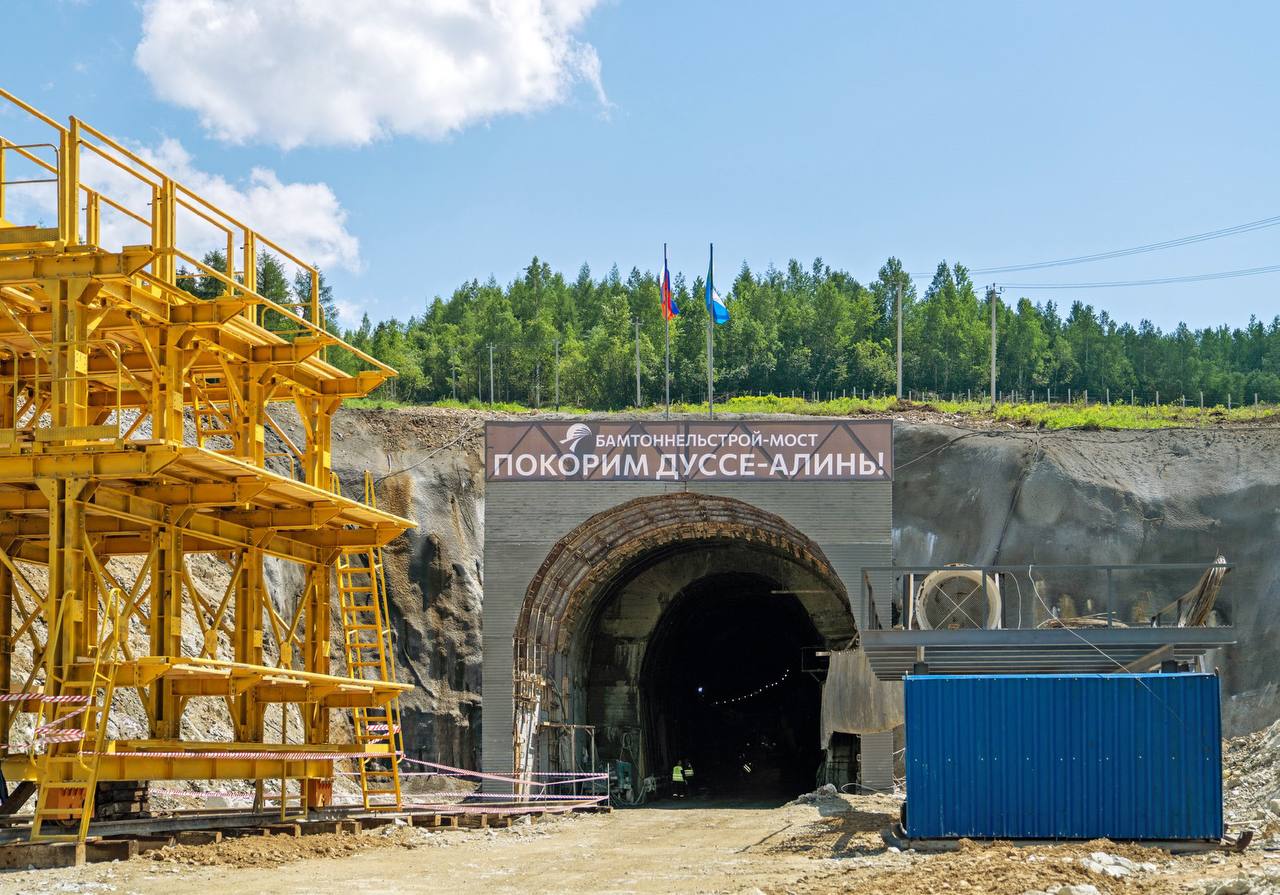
(798, 330)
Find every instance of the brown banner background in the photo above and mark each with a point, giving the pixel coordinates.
(688, 450)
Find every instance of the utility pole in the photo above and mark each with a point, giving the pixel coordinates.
(898, 315)
(992, 299)
(453, 380)
(711, 345)
(557, 375)
(490, 374)
(637, 322)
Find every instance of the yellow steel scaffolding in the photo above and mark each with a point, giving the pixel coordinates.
(133, 422)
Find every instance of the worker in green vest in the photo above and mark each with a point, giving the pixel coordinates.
(688, 776)
(677, 780)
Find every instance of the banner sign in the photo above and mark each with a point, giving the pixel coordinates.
(689, 451)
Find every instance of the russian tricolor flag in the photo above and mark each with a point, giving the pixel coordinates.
(669, 307)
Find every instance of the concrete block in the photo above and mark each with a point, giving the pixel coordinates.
(41, 855)
(110, 850)
(197, 837)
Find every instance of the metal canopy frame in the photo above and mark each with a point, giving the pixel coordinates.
(133, 422)
(1107, 646)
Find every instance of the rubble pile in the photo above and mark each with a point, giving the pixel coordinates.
(1251, 782)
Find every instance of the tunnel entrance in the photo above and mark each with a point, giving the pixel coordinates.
(721, 687)
(633, 605)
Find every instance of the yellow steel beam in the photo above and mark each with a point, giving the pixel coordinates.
(130, 463)
(99, 265)
(201, 495)
(287, 519)
(202, 761)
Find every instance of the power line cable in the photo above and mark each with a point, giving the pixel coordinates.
(1138, 250)
(1237, 229)
(1154, 281)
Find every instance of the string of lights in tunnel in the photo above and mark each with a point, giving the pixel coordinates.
(756, 692)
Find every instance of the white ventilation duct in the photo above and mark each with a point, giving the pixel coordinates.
(957, 597)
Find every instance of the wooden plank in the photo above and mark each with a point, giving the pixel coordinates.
(110, 850)
(21, 794)
(197, 837)
(151, 843)
(285, 829)
(1155, 657)
(313, 827)
(41, 855)
(371, 823)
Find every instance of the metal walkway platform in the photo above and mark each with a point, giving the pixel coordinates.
(1040, 651)
(1021, 619)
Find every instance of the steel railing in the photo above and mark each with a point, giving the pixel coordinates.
(156, 211)
(1031, 595)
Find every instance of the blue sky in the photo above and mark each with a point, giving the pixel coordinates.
(986, 133)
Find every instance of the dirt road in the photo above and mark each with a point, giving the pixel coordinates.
(832, 846)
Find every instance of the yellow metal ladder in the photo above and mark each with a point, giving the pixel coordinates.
(68, 770)
(367, 647)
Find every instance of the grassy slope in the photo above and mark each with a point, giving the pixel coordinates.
(1048, 416)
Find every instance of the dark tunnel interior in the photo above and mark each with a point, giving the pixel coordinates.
(722, 689)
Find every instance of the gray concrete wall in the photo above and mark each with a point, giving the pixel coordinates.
(850, 521)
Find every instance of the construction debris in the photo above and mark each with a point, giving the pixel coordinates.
(1251, 784)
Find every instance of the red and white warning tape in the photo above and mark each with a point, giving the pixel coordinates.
(40, 697)
(60, 736)
(445, 770)
(249, 754)
(55, 732)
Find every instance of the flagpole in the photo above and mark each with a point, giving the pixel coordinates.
(711, 345)
(667, 319)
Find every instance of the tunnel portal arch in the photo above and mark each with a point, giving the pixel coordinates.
(588, 567)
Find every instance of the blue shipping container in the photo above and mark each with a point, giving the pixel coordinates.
(1122, 756)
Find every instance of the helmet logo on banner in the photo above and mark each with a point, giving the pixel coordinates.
(576, 433)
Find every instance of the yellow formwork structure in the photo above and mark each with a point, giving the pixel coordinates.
(133, 422)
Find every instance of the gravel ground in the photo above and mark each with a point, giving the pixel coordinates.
(827, 845)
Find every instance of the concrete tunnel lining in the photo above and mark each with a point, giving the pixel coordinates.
(591, 566)
(547, 537)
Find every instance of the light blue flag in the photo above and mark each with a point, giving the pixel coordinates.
(716, 307)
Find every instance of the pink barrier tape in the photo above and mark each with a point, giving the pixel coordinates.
(463, 772)
(511, 796)
(493, 809)
(61, 736)
(402, 773)
(215, 793)
(586, 778)
(55, 732)
(278, 756)
(38, 697)
(567, 774)
(544, 802)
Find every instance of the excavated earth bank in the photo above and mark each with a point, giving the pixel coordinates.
(962, 494)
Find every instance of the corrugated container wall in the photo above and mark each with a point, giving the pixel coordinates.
(1123, 756)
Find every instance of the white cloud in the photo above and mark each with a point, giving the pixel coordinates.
(304, 218)
(348, 72)
(349, 313)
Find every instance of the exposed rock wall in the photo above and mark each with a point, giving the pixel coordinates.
(1128, 497)
(962, 495)
(427, 467)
